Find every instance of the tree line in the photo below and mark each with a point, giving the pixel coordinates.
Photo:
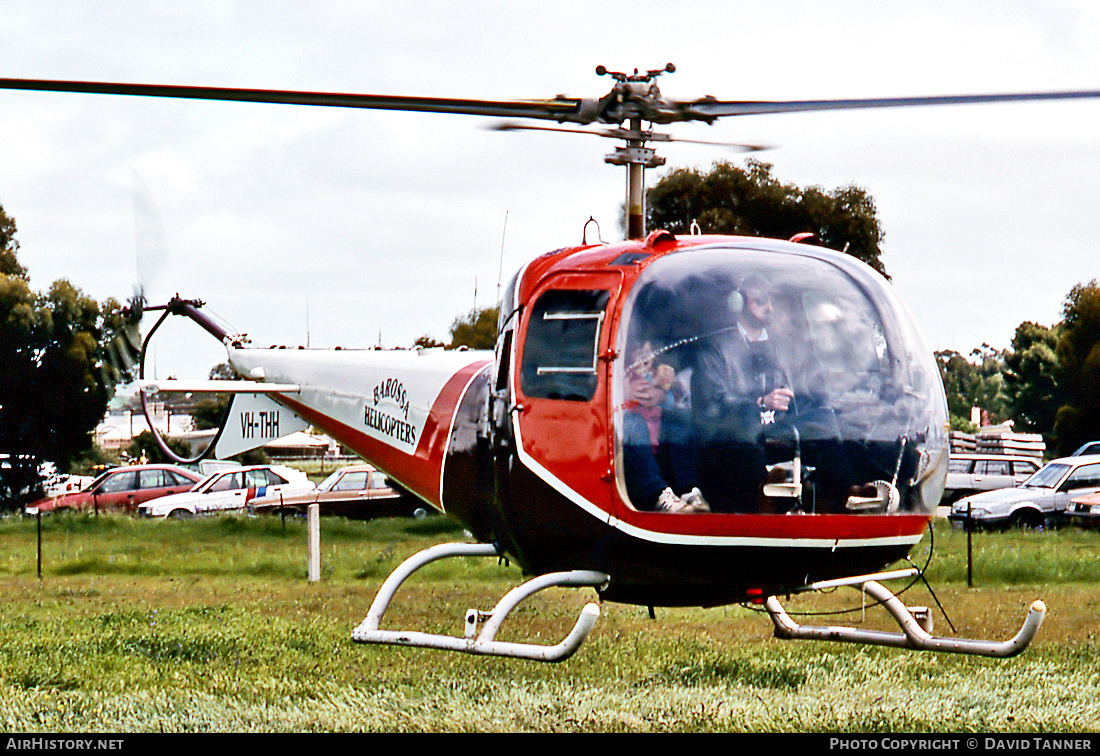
(1045, 382)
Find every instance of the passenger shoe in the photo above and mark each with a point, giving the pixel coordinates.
(694, 502)
(669, 502)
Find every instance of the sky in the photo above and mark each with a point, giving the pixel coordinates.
(355, 228)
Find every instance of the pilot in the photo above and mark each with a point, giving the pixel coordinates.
(740, 386)
(658, 454)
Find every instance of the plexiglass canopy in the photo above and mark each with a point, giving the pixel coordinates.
(775, 381)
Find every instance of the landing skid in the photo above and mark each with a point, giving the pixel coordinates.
(914, 636)
(481, 642)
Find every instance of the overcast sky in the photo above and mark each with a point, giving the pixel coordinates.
(354, 227)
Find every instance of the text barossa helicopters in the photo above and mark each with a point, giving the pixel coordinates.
(634, 431)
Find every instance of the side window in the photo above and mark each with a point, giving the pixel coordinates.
(260, 478)
(561, 346)
(994, 467)
(227, 482)
(504, 361)
(126, 481)
(959, 466)
(152, 479)
(274, 479)
(1086, 476)
(353, 481)
(1024, 468)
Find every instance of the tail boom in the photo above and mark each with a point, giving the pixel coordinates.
(394, 409)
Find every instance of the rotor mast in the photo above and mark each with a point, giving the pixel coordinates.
(636, 157)
(633, 96)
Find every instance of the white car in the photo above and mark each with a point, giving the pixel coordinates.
(229, 490)
(1040, 500)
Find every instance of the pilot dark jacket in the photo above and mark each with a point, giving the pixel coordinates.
(731, 375)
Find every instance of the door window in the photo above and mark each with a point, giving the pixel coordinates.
(353, 481)
(125, 481)
(1086, 476)
(993, 467)
(562, 344)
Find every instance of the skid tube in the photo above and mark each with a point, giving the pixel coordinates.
(481, 642)
(914, 636)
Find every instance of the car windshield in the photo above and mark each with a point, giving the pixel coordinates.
(1048, 477)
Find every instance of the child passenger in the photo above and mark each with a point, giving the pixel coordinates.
(658, 452)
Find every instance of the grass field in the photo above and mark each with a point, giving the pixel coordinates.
(210, 625)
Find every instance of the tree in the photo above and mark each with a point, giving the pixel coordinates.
(477, 329)
(1031, 365)
(750, 201)
(974, 382)
(143, 445)
(1078, 372)
(54, 386)
(9, 264)
(209, 410)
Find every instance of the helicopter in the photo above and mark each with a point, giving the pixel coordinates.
(631, 431)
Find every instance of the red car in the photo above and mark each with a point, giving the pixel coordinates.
(124, 488)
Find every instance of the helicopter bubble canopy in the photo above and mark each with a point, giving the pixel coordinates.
(775, 381)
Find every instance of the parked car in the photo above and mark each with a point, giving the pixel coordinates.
(972, 473)
(355, 491)
(56, 483)
(1085, 510)
(123, 488)
(229, 490)
(1092, 447)
(1040, 500)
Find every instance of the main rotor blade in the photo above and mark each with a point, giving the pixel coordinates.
(648, 136)
(706, 109)
(559, 109)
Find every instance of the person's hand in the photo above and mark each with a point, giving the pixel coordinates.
(639, 389)
(778, 400)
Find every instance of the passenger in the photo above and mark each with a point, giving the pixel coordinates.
(739, 387)
(658, 453)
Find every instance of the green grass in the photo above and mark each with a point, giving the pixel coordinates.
(210, 626)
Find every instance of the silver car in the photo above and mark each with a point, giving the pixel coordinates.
(1040, 500)
(973, 473)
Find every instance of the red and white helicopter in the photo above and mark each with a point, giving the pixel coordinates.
(628, 433)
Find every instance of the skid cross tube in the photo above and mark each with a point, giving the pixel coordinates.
(483, 642)
(913, 635)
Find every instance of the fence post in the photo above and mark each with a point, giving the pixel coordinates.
(313, 551)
